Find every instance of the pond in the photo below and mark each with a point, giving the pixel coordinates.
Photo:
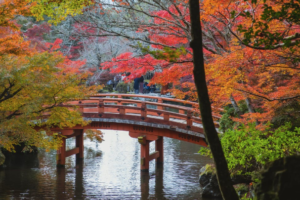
(110, 170)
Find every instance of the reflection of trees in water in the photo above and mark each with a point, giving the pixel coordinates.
(21, 173)
(92, 153)
(176, 179)
(36, 175)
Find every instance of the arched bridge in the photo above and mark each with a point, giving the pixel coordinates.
(148, 118)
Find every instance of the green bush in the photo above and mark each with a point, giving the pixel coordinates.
(122, 87)
(106, 88)
(226, 121)
(247, 149)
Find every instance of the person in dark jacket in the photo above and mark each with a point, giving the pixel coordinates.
(152, 88)
(141, 84)
(136, 85)
(146, 88)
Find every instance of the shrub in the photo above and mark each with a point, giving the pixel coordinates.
(122, 87)
(247, 149)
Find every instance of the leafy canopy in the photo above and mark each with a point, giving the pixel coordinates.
(33, 85)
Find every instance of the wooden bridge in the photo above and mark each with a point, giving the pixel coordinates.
(147, 118)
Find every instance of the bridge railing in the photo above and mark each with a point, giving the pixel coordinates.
(159, 111)
(159, 99)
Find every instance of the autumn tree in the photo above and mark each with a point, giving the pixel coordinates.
(33, 83)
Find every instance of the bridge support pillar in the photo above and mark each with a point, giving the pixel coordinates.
(145, 158)
(78, 150)
(61, 154)
(159, 147)
(79, 144)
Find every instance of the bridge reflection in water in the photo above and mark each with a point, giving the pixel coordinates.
(145, 120)
(109, 170)
(113, 174)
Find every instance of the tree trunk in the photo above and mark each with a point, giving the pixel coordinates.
(225, 183)
(2, 157)
(235, 106)
(250, 108)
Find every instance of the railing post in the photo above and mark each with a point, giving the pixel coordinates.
(122, 111)
(143, 111)
(189, 122)
(166, 116)
(159, 146)
(79, 144)
(159, 101)
(61, 154)
(119, 101)
(138, 104)
(81, 107)
(181, 111)
(101, 106)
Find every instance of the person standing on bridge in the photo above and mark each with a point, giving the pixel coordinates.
(141, 84)
(136, 85)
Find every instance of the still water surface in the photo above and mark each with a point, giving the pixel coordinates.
(110, 170)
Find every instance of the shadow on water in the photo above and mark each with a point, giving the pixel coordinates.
(62, 182)
(110, 170)
(145, 179)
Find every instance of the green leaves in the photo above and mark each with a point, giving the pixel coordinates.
(247, 149)
(259, 34)
(58, 10)
(167, 53)
(30, 88)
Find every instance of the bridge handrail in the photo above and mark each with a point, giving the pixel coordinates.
(159, 99)
(159, 112)
(120, 111)
(96, 101)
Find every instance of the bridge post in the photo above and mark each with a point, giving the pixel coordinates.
(159, 146)
(189, 121)
(119, 102)
(160, 107)
(79, 144)
(143, 111)
(144, 153)
(61, 154)
(81, 108)
(101, 106)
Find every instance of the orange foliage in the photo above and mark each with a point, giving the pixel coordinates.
(269, 77)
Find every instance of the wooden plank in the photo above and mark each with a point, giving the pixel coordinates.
(153, 97)
(148, 130)
(101, 106)
(72, 152)
(138, 118)
(76, 133)
(149, 137)
(143, 111)
(122, 111)
(166, 116)
(67, 132)
(120, 101)
(154, 155)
